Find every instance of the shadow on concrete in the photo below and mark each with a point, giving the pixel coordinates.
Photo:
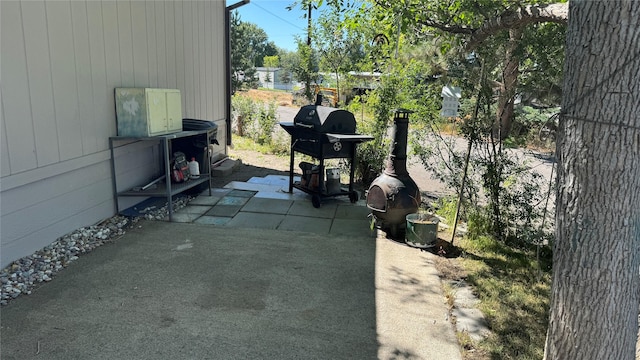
(184, 291)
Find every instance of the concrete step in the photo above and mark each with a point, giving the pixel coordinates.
(225, 168)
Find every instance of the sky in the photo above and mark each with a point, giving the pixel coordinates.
(272, 16)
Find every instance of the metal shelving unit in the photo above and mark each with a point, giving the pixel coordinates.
(166, 188)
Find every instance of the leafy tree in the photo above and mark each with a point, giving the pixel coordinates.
(258, 43)
(446, 35)
(340, 47)
(493, 28)
(305, 66)
(249, 46)
(240, 61)
(270, 62)
(267, 78)
(287, 61)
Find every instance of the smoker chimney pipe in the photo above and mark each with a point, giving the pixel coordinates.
(397, 161)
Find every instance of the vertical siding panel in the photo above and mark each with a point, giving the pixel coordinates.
(102, 94)
(111, 44)
(188, 59)
(152, 56)
(63, 76)
(195, 59)
(5, 168)
(215, 51)
(125, 41)
(112, 57)
(209, 58)
(83, 77)
(40, 87)
(180, 62)
(195, 22)
(161, 44)
(169, 15)
(202, 69)
(140, 56)
(18, 142)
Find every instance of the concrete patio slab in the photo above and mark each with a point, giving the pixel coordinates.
(471, 321)
(306, 224)
(262, 205)
(212, 220)
(171, 290)
(409, 303)
(283, 195)
(253, 187)
(305, 208)
(247, 220)
(193, 209)
(241, 193)
(224, 210)
(233, 200)
(206, 200)
(349, 227)
(352, 211)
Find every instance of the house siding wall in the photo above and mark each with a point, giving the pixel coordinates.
(61, 61)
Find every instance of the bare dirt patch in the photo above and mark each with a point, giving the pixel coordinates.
(281, 98)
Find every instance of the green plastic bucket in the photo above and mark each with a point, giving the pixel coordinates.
(422, 230)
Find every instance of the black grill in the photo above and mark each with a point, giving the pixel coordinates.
(325, 119)
(323, 133)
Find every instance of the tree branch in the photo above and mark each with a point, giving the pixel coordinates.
(532, 14)
(452, 29)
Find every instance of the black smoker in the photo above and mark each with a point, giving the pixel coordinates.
(394, 194)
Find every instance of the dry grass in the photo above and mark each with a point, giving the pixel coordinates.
(280, 97)
(451, 270)
(514, 297)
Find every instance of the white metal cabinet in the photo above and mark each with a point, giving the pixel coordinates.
(145, 112)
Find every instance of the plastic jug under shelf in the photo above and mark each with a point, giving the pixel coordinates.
(194, 168)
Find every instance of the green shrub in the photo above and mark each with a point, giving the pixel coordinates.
(244, 110)
(446, 208)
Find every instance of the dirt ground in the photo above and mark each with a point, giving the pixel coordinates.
(282, 98)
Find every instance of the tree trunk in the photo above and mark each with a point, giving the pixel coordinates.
(507, 97)
(596, 285)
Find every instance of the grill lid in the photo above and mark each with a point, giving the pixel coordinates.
(326, 119)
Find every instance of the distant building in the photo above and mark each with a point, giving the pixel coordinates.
(271, 78)
(450, 101)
